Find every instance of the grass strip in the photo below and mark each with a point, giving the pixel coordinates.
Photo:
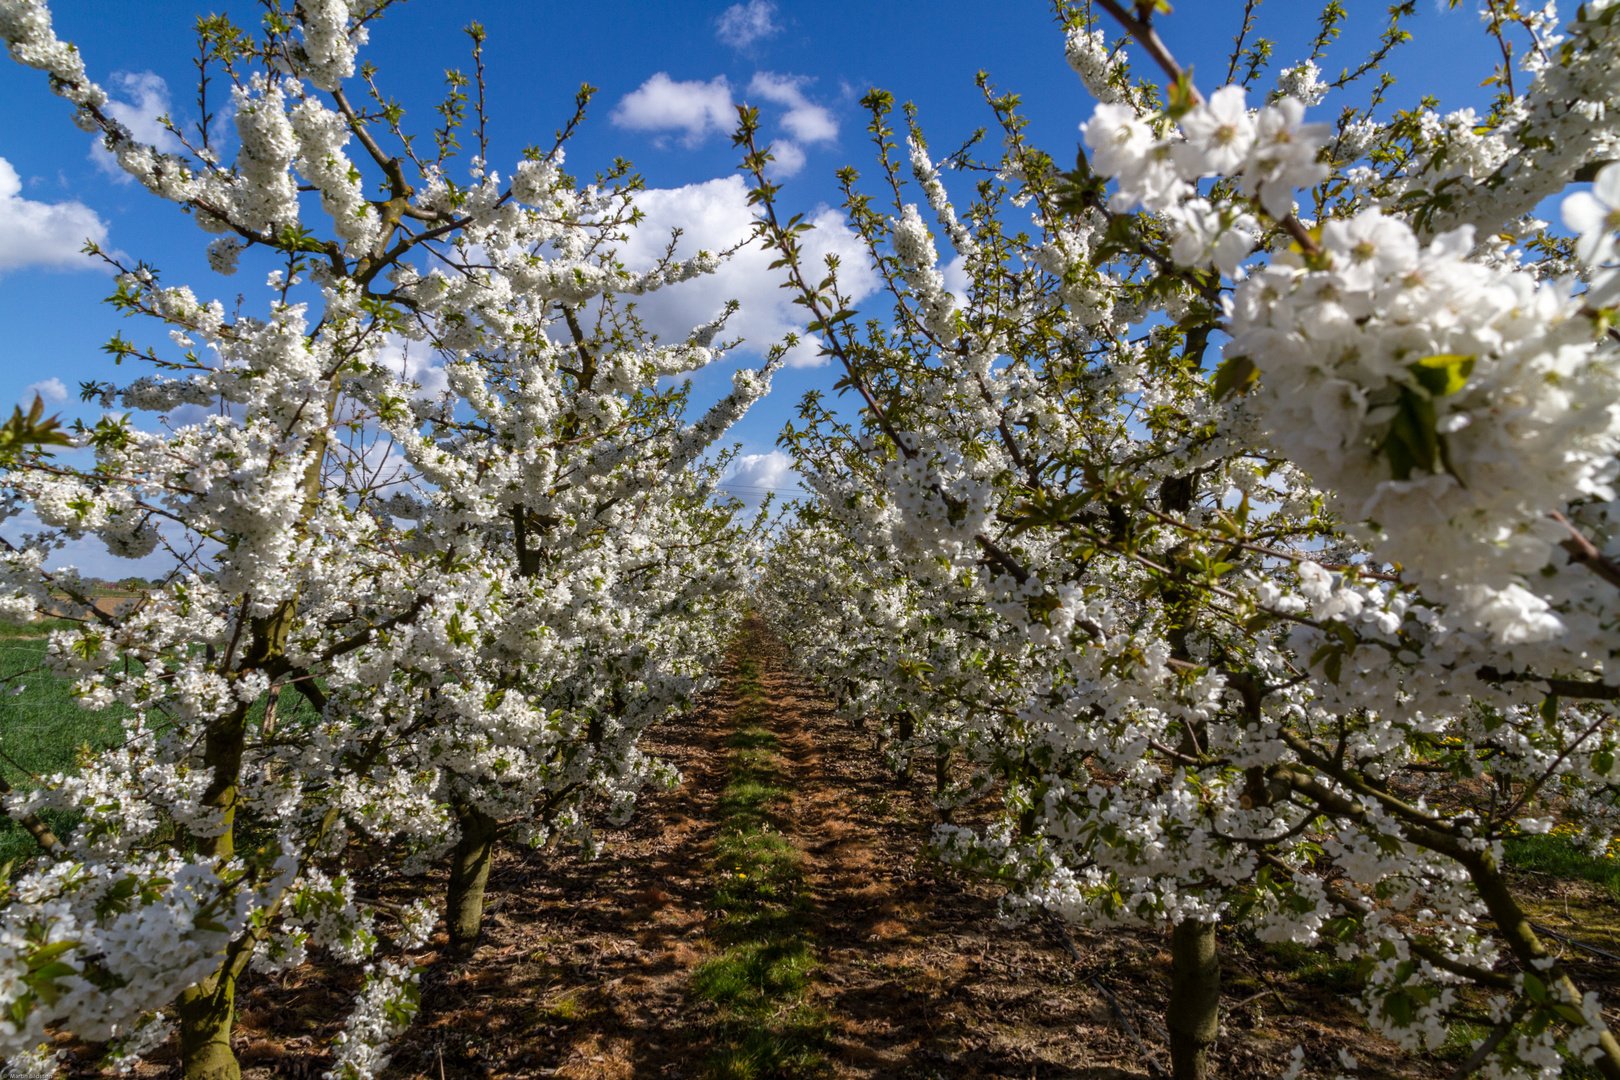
(760, 979)
(1558, 855)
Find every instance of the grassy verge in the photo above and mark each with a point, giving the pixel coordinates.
(760, 980)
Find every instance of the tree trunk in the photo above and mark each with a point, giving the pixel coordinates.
(205, 1014)
(469, 873)
(1193, 1015)
(942, 779)
(905, 728)
(206, 1011)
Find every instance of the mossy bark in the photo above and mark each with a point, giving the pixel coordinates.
(205, 1015)
(205, 1011)
(1193, 1015)
(469, 874)
(942, 780)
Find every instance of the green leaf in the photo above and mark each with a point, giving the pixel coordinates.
(1412, 442)
(1443, 373)
(1569, 1014)
(1234, 373)
(47, 953)
(30, 430)
(1183, 98)
(1398, 1007)
(55, 970)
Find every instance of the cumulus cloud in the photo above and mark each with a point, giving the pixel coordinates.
(89, 555)
(743, 24)
(43, 234)
(91, 558)
(805, 120)
(148, 103)
(761, 472)
(699, 109)
(755, 477)
(786, 159)
(715, 215)
(51, 389)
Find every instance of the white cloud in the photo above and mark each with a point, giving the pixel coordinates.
(755, 477)
(50, 389)
(149, 101)
(89, 555)
(43, 234)
(418, 364)
(786, 159)
(715, 215)
(186, 415)
(698, 108)
(743, 24)
(761, 472)
(805, 120)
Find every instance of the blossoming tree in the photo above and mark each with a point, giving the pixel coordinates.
(1247, 519)
(420, 622)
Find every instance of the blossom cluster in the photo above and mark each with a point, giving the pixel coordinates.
(1288, 633)
(429, 622)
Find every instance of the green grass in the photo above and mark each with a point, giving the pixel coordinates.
(1313, 967)
(42, 729)
(1558, 855)
(34, 630)
(760, 978)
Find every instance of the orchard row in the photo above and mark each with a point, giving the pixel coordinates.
(1243, 525)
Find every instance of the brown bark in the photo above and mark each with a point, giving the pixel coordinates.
(1193, 1015)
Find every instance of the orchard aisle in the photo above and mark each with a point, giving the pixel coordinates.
(658, 959)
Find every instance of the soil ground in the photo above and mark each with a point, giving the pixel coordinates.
(585, 970)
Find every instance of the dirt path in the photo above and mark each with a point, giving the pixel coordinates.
(587, 968)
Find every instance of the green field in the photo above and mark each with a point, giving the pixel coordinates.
(41, 729)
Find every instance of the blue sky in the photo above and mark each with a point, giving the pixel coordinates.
(667, 74)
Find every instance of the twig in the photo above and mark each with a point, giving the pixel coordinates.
(1062, 933)
(1583, 551)
(1125, 1021)
(1230, 1009)
(1492, 1041)
(1538, 928)
(1483, 1050)
(1142, 30)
